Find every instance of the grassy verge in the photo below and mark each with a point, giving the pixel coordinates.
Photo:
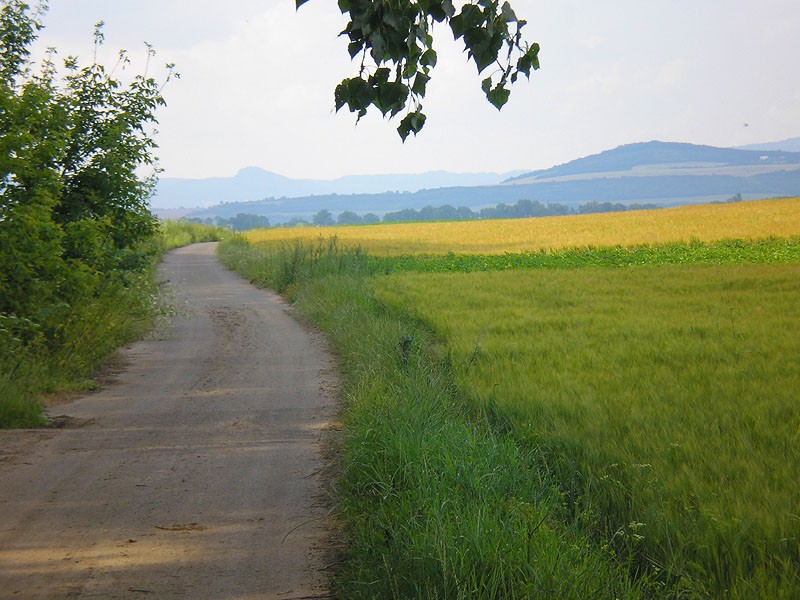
(437, 500)
(36, 361)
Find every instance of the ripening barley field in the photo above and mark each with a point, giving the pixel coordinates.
(668, 395)
(709, 222)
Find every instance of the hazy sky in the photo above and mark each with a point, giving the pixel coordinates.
(258, 78)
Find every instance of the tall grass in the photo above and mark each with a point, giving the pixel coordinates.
(176, 233)
(662, 398)
(283, 266)
(436, 502)
(64, 359)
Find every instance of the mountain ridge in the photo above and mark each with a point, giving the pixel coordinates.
(666, 154)
(661, 173)
(789, 145)
(253, 183)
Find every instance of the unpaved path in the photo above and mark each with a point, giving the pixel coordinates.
(195, 475)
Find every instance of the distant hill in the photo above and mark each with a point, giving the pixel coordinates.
(661, 173)
(790, 145)
(253, 183)
(665, 158)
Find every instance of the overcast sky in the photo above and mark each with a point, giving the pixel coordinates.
(258, 78)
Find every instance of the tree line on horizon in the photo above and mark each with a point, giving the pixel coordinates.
(522, 209)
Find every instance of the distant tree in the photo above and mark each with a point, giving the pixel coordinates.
(348, 217)
(529, 208)
(601, 207)
(370, 219)
(394, 41)
(401, 216)
(296, 222)
(522, 209)
(244, 221)
(429, 213)
(446, 213)
(323, 218)
(463, 213)
(207, 221)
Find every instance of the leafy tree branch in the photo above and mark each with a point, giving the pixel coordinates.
(394, 41)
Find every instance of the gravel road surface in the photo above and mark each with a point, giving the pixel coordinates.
(195, 474)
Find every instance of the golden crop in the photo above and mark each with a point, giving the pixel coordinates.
(706, 222)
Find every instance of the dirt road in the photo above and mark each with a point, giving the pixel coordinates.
(196, 474)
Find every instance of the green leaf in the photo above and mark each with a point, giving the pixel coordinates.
(356, 93)
(483, 47)
(534, 54)
(498, 96)
(354, 48)
(428, 58)
(404, 128)
(449, 9)
(508, 14)
(409, 69)
(340, 95)
(435, 10)
(468, 19)
(457, 26)
(420, 81)
(390, 97)
(381, 75)
(411, 123)
(378, 47)
(391, 19)
(529, 60)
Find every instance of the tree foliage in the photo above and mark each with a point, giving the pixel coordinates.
(73, 210)
(239, 222)
(394, 40)
(323, 218)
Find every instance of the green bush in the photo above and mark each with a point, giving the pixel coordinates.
(75, 228)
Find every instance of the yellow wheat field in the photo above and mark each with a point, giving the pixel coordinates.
(706, 222)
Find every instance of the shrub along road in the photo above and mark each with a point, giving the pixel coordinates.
(195, 474)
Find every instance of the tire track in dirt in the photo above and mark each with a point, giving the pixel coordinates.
(196, 474)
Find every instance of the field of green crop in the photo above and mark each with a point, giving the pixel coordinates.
(665, 397)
